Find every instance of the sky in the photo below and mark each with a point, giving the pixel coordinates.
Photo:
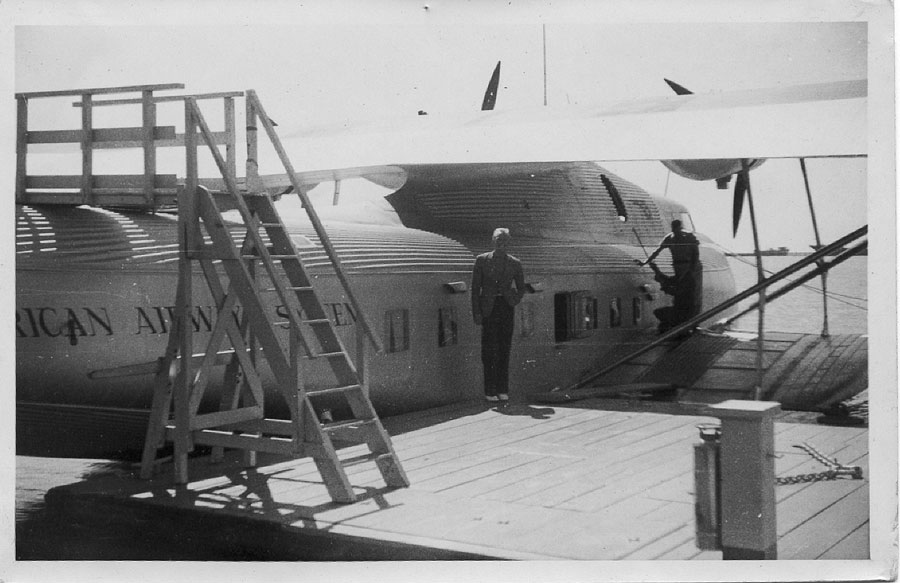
(398, 58)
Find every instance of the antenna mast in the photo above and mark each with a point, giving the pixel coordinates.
(544, 31)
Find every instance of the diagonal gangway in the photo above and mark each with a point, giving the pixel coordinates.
(817, 258)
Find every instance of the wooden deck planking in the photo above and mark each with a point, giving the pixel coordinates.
(849, 545)
(688, 551)
(855, 448)
(837, 506)
(674, 542)
(443, 447)
(509, 447)
(674, 488)
(576, 535)
(634, 481)
(798, 506)
(496, 486)
(579, 484)
(466, 451)
(474, 472)
(509, 428)
(605, 464)
(818, 535)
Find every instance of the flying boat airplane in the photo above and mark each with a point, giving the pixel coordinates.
(95, 287)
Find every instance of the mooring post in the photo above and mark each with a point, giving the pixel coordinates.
(747, 464)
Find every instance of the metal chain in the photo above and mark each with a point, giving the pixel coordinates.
(835, 469)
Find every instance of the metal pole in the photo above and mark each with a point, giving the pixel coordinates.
(337, 192)
(760, 277)
(544, 35)
(812, 214)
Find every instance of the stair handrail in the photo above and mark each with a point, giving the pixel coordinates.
(734, 300)
(824, 267)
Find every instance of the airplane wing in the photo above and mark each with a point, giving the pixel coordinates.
(819, 120)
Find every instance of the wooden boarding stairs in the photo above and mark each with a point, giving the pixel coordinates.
(241, 264)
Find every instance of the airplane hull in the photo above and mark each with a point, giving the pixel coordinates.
(95, 290)
(78, 355)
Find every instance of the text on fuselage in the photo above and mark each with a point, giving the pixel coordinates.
(85, 322)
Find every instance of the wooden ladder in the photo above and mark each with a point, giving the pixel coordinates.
(230, 268)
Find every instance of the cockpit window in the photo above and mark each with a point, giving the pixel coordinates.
(686, 221)
(621, 211)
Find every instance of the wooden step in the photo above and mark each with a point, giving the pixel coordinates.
(368, 457)
(275, 256)
(272, 255)
(338, 425)
(328, 355)
(333, 390)
(298, 288)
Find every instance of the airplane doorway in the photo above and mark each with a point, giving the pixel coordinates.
(575, 315)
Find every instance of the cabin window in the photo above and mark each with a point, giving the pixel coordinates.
(525, 314)
(448, 327)
(615, 312)
(637, 312)
(396, 329)
(575, 315)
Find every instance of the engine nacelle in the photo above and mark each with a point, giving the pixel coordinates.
(713, 169)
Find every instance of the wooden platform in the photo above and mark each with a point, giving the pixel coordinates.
(517, 482)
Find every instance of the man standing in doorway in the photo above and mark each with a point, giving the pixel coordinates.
(493, 308)
(688, 280)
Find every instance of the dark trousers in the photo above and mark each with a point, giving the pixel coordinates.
(689, 291)
(496, 339)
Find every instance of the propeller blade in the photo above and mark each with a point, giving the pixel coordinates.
(678, 89)
(740, 189)
(490, 95)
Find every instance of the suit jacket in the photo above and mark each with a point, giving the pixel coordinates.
(492, 277)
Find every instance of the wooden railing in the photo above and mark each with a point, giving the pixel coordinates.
(149, 189)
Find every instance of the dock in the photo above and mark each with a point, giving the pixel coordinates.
(580, 481)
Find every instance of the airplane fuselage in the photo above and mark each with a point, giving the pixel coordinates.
(95, 290)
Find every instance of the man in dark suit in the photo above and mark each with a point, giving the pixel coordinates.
(493, 308)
